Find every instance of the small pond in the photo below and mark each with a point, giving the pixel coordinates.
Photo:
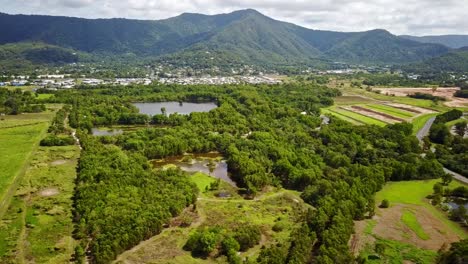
(106, 132)
(454, 203)
(210, 164)
(174, 107)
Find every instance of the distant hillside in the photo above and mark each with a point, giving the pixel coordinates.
(454, 61)
(24, 55)
(452, 41)
(244, 36)
(381, 46)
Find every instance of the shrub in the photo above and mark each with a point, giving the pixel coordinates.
(384, 204)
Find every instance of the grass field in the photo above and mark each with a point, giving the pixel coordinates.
(409, 219)
(19, 136)
(414, 193)
(357, 117)
(397, 252)
(390, 110)
(275, 207)
(38, 224)
(340, 116)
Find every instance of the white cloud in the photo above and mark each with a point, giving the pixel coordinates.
(417, 17)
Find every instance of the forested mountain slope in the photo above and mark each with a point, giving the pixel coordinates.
(452, 41)
(246, 35)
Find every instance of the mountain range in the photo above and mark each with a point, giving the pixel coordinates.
(245, 37)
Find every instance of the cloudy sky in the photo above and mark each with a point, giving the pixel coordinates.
(416, 17)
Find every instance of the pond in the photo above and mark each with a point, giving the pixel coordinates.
(106, 132)
(210, 164)
(174, 107)
(454, 203)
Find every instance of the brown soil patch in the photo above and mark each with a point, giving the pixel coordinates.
(441, 91)
(369, 114)
(389, 226)
(377, 113)
(410, 108)
(49, 192)
(58, 162)
(359, 239)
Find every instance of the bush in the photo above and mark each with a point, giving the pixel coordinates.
(279, 226)
(384, 204)
(53, 140)
(248, 236)
(202, 242)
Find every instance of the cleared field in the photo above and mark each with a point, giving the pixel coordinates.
(391, 110)
(414, 193)
(441, 92)
(374, 114)
(411, 229)
(19, 136)
(37, 227)
(280, 207)
(358, 117)
(340, 116)
(409, 219)
(410, 192)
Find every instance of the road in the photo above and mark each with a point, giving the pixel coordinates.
(424, 131)
(457, 176)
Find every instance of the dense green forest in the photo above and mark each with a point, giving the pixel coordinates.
(17, 102)
(452, 150)
(266, 141)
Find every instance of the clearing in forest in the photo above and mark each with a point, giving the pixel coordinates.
(19, 136)
(275, 212)
(37, 227)
(410, 223)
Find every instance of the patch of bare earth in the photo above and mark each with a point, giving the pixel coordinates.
(58, 162)
(49, 192)
(360, 108)
(390, 226)
(360, 239)
(410, 108)
(369, 114)
(441, 92)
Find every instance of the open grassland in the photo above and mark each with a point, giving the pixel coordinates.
(38, 226)
(356, 117)
(390, 110)
(411, 229)
(362, 107)
(19, 136)
(340, 116)
(397, 252)
(373, 95)
(276, 208)
(410, 192)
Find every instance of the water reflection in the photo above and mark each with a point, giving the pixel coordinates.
(174, 107)
(106, 132)
(210, 164)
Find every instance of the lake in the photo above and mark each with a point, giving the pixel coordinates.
(210, 164)
(174, 107)
(106, 132)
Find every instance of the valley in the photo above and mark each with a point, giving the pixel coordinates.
(232, 137)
